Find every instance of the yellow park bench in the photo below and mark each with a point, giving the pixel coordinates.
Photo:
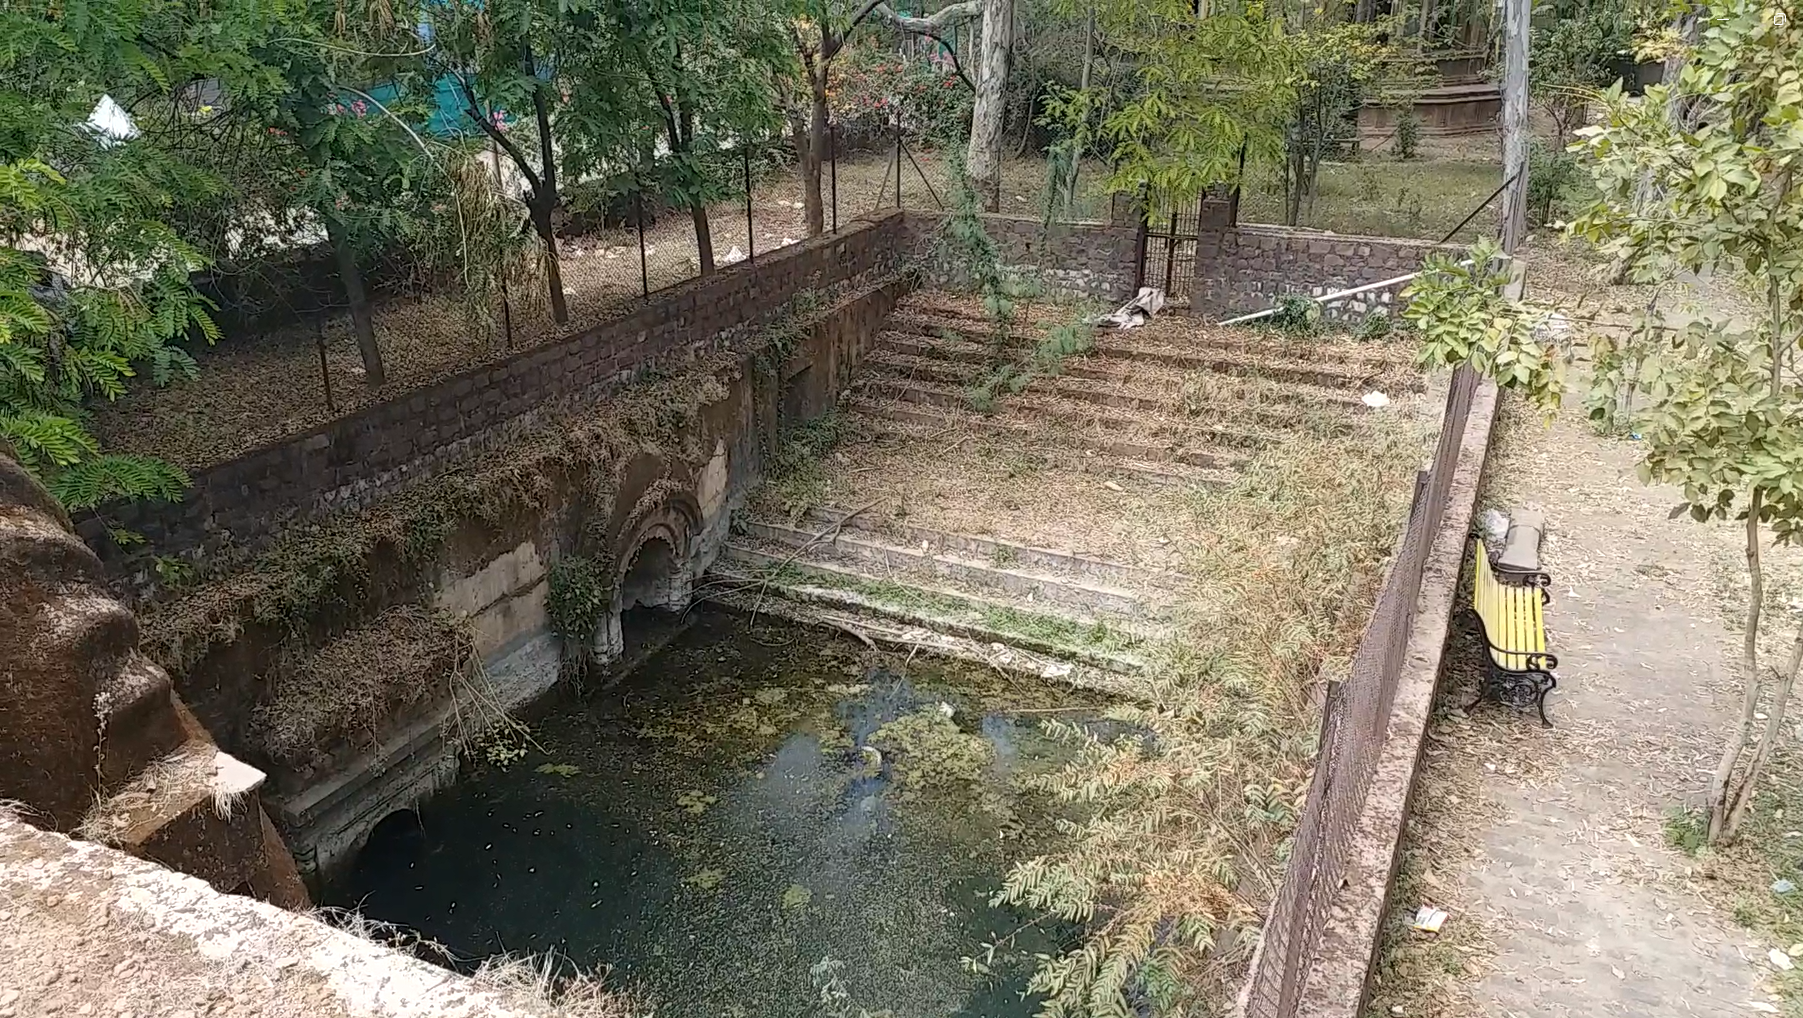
(1514, 623)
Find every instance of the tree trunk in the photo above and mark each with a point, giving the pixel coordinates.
(1081, 139)
(813, 154)
(1749, 701)
(362, 327)
(1774, 730)
(545, 199)
(984, 156)
(1515, 123)
(1736, 800)
(540, 207)
(704, 237)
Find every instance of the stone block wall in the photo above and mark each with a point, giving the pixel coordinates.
(381, 449)
(1246, 268)
(1071, 259)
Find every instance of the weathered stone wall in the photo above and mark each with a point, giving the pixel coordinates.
(91, 931)
(93, 739)
(654, 467)
(1071, 259)
(1246, 268)
(361, 457)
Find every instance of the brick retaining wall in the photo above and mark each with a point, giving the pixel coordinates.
(379, 450)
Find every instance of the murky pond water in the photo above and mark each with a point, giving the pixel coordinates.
(752, 800)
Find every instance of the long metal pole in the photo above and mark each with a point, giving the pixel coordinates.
(325, 375)
(898, 159)
(638, 213)
(1170, 253)
(1139, 241)
(751, 244)
(832, 155)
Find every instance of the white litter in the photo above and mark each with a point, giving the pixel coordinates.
(787, 241)
(735, 255)
(1375, 400)
(110, 122)
(1136, 312)
(1429, 919)
(1780, 960)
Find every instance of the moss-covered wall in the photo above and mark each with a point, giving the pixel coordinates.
(464, 561)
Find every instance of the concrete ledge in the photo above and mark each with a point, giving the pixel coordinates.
(89, 930)
(1338, 982)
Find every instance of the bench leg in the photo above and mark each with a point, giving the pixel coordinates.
(1483, 692)
(1548, 682)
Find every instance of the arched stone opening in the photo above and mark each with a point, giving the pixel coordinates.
(654, 579)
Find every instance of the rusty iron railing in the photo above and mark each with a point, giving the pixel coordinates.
(1354, 723)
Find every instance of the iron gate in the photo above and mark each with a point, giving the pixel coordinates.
(1167, 240)
(1168, 251)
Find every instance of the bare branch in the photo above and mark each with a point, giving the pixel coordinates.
(930, 26)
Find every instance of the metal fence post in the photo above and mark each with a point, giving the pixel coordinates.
(751, 244)
(1143, 233)
(1170, 253)
(832, 152)
(898, 158)
(325, 375)
(638, 203)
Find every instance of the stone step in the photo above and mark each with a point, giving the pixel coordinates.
(969, 622)
(1057, 561)
(917, 420)
(194, 809)
(922, 381)
(1182, 335)
(1123, 347)
(869, 555)
(945, 398)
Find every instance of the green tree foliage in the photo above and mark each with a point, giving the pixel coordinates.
(505, 59)
(701, 71)
(1199, 89)
(94, 286)
(1719, 409)
(1577, 48)
(1340, 64)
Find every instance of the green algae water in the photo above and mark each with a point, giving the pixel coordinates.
(759, 821)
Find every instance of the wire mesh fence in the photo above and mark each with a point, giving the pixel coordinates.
(1354, 726)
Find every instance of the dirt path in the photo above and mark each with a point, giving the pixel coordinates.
(1548, 846)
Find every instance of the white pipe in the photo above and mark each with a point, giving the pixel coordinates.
(1328, 298)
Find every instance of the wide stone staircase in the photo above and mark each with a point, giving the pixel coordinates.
(1045, 530)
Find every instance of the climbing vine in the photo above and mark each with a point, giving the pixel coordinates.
(578, 602)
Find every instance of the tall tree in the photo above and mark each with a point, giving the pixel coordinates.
(503, 57)
(1202, 88)
(310, 84)
(703, 70)
(818, 35)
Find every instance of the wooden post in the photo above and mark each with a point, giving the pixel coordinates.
(1515, 123)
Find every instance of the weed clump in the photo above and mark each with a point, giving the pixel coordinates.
(1188, 813)
(346, 691)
